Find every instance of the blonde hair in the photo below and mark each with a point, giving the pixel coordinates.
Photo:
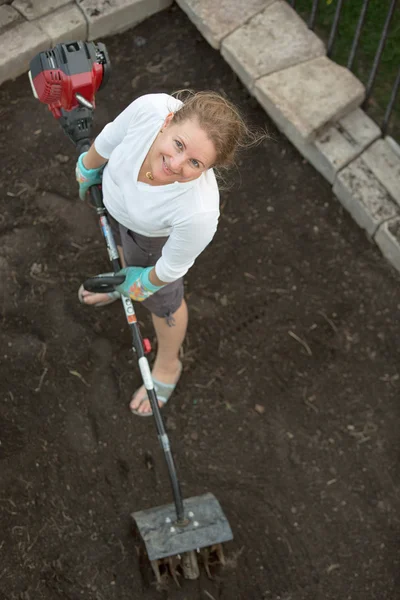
(221, 120)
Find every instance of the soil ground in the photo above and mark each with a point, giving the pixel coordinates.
(288, 407)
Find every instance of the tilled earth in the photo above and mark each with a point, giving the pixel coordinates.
(287, 409)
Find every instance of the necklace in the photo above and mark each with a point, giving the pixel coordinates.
(149, 175)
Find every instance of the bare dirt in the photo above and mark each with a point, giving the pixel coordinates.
(288, 407)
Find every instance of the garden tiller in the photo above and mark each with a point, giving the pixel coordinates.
(173, 537)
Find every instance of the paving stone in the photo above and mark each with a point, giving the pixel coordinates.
(304, 99)
(106, 17)
(33, 9)
(339, 144)
(273, 40)
(19, 45)
(358, 128)
(364, 196)
(8, 17)
(385, 164)
(64, 25)
(215, 19)
(388, 240)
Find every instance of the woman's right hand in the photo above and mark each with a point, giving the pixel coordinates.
(137, 285)
(87, 177)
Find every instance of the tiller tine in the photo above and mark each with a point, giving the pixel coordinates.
(175, 547)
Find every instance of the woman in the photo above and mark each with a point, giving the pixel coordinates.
(161, 193)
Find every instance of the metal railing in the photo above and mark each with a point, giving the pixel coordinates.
(313, 7)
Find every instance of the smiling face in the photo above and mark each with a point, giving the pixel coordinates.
(181, 152)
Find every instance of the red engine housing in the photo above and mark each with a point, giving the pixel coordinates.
(58, 75)
(59, 90)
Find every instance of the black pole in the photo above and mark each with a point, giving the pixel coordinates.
(357, 34)
(137, 342)
(379, 51)
(313, 15)
(334, 27)
(392, 100)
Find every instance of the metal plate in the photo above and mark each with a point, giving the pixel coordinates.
(163, 537)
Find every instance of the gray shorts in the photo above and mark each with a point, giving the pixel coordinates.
(142, 251)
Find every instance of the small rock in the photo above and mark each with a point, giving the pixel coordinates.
(170, 423)
(139, 41)
(194, 435)
(62, 158)
(259, 408)
(149, 461)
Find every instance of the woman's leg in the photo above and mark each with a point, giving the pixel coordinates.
(166, 365)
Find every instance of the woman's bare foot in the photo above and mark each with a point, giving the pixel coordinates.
(94, 299)
(140, 402)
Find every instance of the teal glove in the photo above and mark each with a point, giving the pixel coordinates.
(137, 285)
(86, 177)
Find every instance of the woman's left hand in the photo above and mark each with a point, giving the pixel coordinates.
(87, 177)
(137, 285)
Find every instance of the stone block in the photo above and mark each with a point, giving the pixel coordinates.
(385, 165)
(359, 129)
(339, 144)
(304, 99)
(364, 196)
(64, 25)
(19, 45)
(388, 240)
(33, 9)
(106, 17)
(215, 19)
(271, 41)
(9, 17)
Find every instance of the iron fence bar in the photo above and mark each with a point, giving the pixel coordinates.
(391, 103)
(379, 51)
(334, 27)
(311, 20)
(357, 34)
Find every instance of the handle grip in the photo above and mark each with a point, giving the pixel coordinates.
(103, 283)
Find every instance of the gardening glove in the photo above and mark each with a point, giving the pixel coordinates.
(137, 285)
(86, 177)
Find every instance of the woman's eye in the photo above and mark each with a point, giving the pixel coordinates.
(179, 144)
(195, 163)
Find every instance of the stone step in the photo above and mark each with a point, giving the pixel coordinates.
(64, 25)
(263, 46)
(336, 146)
(33, 9)
(215, 19)
(9, 17)
(364, 196)
(385, 165)
(304, 99)
(18, 46)
(107, 18)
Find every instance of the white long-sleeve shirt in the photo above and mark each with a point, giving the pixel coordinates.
(186, 212)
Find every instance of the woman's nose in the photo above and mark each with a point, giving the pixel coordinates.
(177, 162)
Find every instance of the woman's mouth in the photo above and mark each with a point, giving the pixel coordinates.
(166, 169)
